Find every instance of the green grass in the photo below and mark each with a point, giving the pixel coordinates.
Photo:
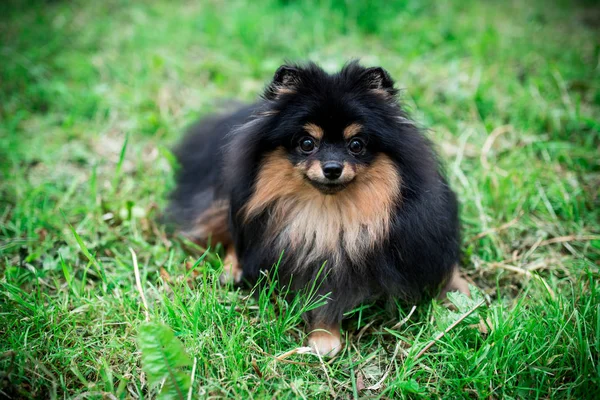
(93, 94)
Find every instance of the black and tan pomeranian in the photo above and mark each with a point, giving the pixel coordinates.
(328, 173)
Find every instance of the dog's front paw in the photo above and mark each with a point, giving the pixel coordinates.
(325, 341)
(232, 273)
(455, 283)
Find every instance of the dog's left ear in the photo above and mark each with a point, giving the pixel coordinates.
(379, 81)
(285, 81)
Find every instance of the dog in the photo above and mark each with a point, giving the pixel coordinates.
(327, 175)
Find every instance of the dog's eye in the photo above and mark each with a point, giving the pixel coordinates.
(307, 145)
(356, 146)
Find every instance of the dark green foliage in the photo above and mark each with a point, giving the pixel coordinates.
(163, 357)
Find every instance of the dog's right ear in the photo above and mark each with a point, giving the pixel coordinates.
(285, 81)
(379, 81)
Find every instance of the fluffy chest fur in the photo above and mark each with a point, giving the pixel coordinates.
(318, 227)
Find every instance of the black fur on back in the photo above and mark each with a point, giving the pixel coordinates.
(199, 181)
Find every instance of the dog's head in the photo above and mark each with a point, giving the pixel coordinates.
(331, 128)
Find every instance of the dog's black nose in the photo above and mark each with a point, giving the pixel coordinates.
(332, 170)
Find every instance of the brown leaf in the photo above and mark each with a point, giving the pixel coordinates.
(42, 233)
(360, 381)
(165, 275)
(256, 369)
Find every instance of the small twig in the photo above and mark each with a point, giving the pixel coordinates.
(531, 250)
(282, 357)
(189, 396)
(512, 268)
(297, 350)
(495, 230)
(255, 368)
(138, 283)
(527, 274)
(377, 385)
(569, 238)
(133, 394)
(405, 320)
(331, 391)
(489, 142)
(448, 329)
(363, 330)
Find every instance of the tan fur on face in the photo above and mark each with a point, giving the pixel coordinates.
(348, 173)
(352, 130)
(317, 226)
(314, 130)
(315, 173)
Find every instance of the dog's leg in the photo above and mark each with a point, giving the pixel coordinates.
(455, 283)
(211, 225)
(231, 268)
(325, 339)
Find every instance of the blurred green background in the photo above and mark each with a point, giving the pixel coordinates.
(94, 94)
